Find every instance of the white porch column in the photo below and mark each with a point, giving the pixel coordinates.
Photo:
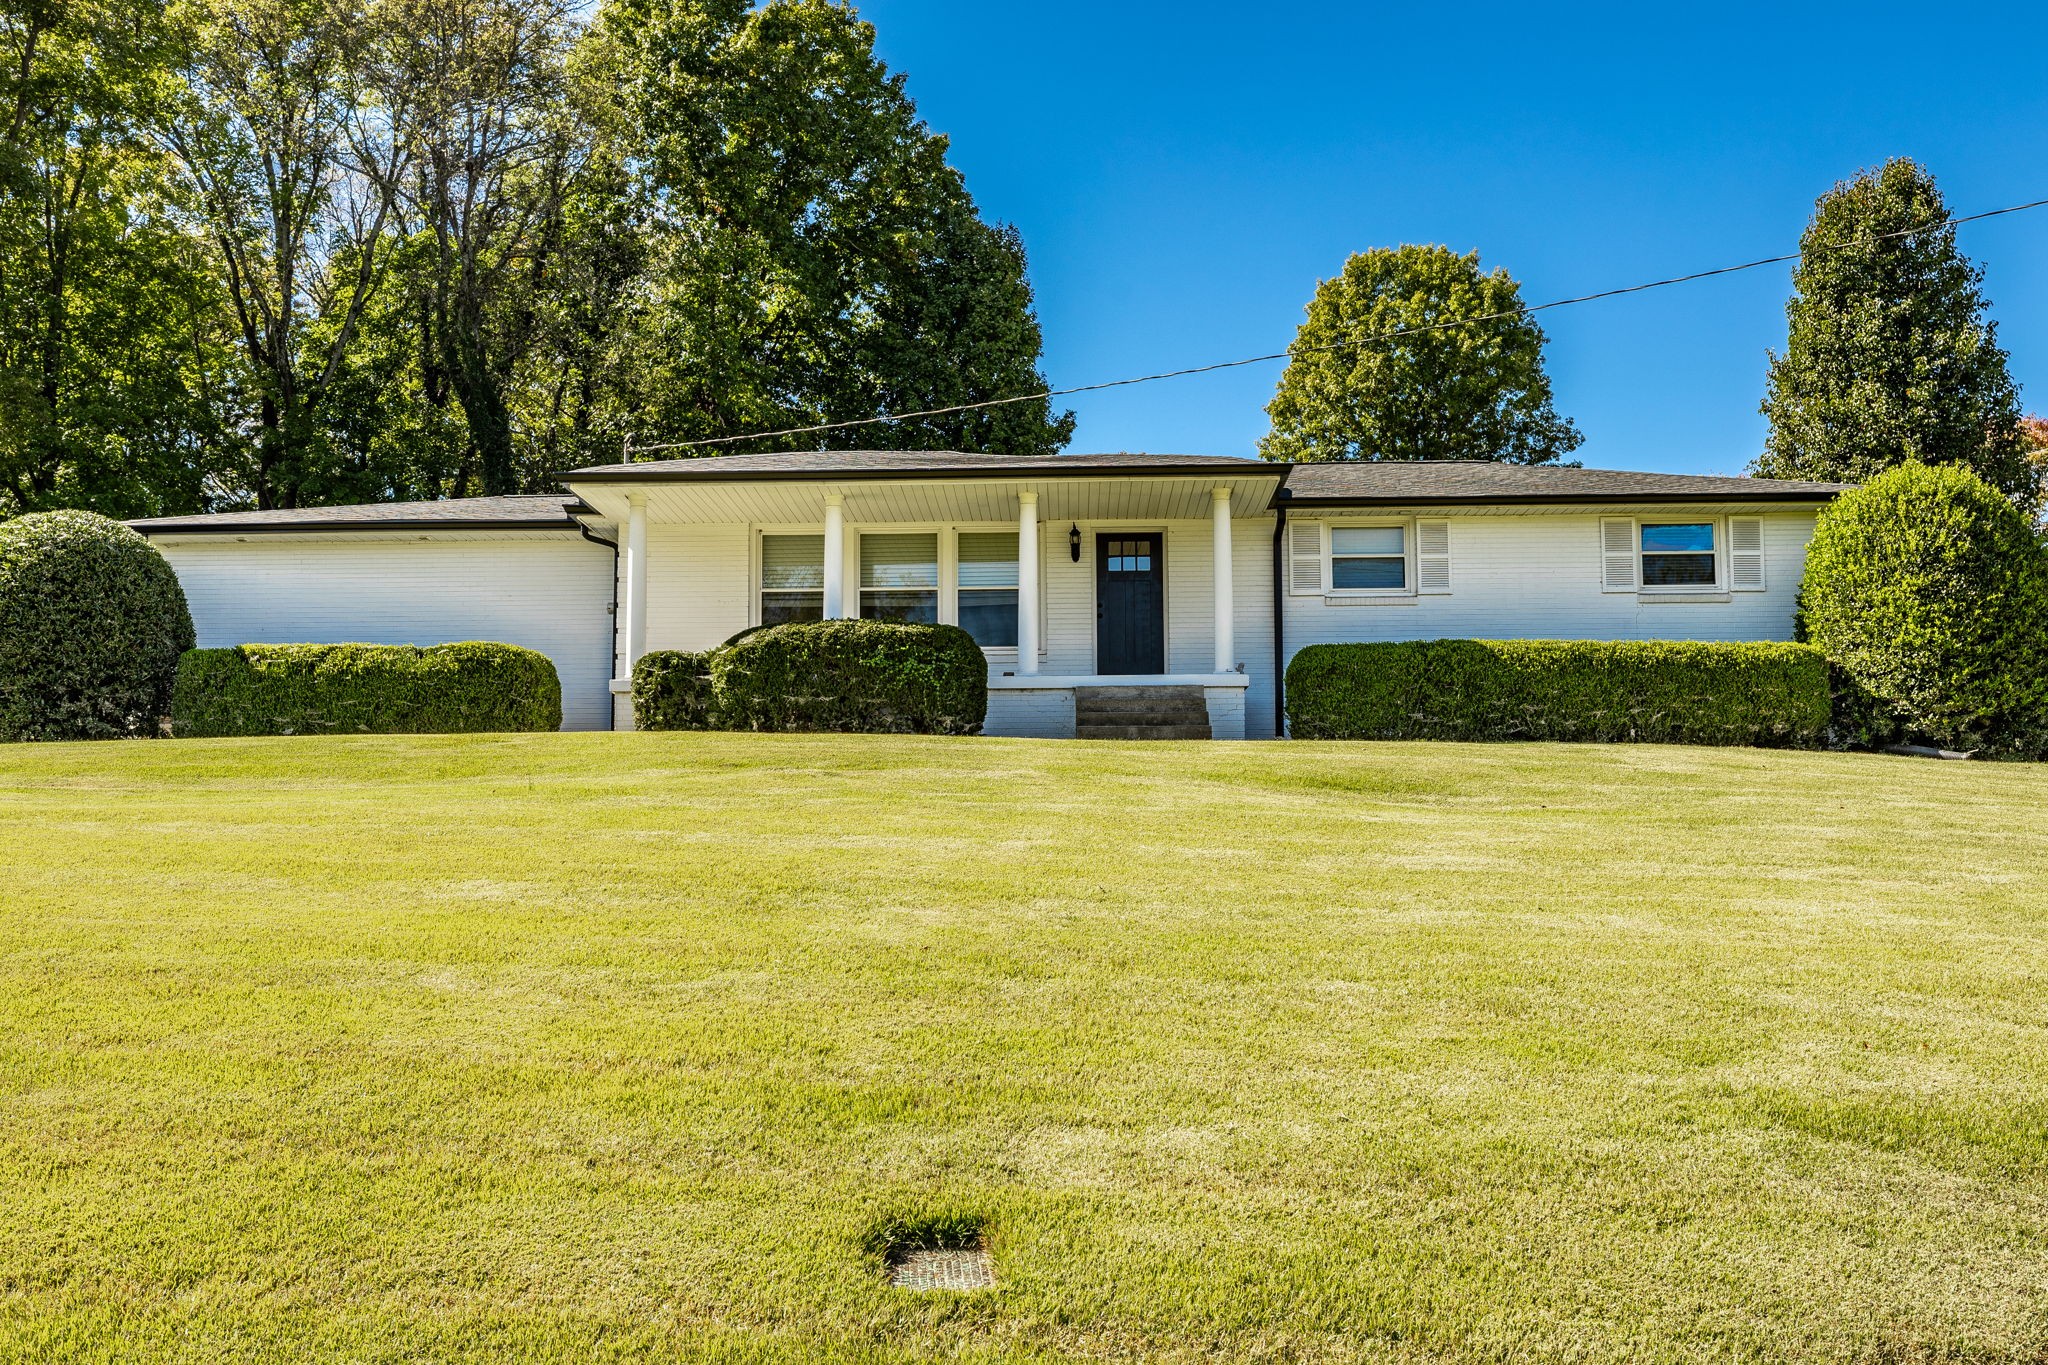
(835, 556)
(1226, 645)
(636, 582)
(1027, 583)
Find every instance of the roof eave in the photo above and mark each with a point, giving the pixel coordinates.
(302, 528)
(1549, 499)
(1252, 468)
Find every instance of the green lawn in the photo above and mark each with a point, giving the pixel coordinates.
(603, 1047)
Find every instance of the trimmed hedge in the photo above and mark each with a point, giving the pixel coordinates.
(869, 677)
(92, 622)
(1929, 593)
(672, 691)
(1647, 691)
(863, 677)
(467, 688)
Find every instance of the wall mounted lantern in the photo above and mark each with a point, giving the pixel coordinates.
(1074, 541)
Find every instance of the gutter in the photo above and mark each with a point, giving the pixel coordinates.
(611, 709)
(1281, 499)
(303, 528)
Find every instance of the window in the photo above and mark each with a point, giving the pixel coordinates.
(1369, 558)
(899, 577)
(792, 579)
(988, 587)
(1130, 556)
(1678, 554)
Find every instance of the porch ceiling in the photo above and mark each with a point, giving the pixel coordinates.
(1118, 497)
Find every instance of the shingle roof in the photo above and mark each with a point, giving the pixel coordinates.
(867, 464)
(1452, 481)
(523, 511)
(1387, 482)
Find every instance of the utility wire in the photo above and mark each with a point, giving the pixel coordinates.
(1352, 344)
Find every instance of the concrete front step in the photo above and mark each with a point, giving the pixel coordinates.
(1142, 731)
(1158, 714)
(1144, 712)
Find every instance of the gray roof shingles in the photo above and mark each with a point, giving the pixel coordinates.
(538, 511)
(1426, 481)
(1355, 483)
(807, 464)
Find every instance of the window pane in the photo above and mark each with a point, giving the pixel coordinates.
(1678, 571)
(990, 616)
(916, 608)
(988, 559)
(1369, 573)
(899, 561)
(778, 608)
(1365, 540)
(793, 562)
(1694, 536)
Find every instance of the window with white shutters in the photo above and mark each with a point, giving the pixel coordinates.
(1746, 554)
(1618, 554)
(1433, 556)
(1305, 557)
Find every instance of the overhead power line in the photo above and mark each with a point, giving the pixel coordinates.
(1293, 351)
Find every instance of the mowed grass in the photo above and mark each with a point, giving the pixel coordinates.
(601, 1047)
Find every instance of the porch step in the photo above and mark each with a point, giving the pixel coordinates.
(1143, 712)
(1142, 731)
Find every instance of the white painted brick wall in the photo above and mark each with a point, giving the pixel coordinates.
(546, 591)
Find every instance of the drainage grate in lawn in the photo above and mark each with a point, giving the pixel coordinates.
(928, 1268)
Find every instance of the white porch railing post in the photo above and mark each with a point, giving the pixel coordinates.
(636, 582)
(1027, 583)
(1226, 645)
(835, 556)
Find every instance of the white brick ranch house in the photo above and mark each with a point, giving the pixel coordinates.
(1085, 578)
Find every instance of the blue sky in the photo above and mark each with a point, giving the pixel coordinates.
(1183, 175)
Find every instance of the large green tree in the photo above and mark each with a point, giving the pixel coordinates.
(815, 257)
(1449, 389)
(115, 379)
(1890, 355)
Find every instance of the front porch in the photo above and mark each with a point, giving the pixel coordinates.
(1161, 576)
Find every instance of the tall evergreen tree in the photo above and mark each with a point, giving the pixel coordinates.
(1473, 391)
(1890, 356)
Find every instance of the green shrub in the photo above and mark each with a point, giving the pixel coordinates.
(1648, 691)
(365, 689)
(92, 622)
(672, 691)
(871, 677)
(1929, 593)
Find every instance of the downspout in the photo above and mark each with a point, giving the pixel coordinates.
(1280, 498)
(611, 707)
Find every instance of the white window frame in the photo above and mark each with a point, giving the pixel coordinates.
(1716, 526)
(757, 552)
(1738, 567)
(1330, 556)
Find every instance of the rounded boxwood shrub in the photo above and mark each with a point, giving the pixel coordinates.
(473, 687)
(1643, 691)
(1929, 593)
(92, 622)
(872, 677)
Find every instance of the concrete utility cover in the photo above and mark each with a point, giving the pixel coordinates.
(965, 1269)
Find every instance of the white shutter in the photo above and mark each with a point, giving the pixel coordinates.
(1432, 556)
(1746, 554)
(1617, 554)
(1305, 557)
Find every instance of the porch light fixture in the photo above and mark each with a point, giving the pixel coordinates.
(1074, 541)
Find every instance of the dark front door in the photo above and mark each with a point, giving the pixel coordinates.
(1130, 602)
